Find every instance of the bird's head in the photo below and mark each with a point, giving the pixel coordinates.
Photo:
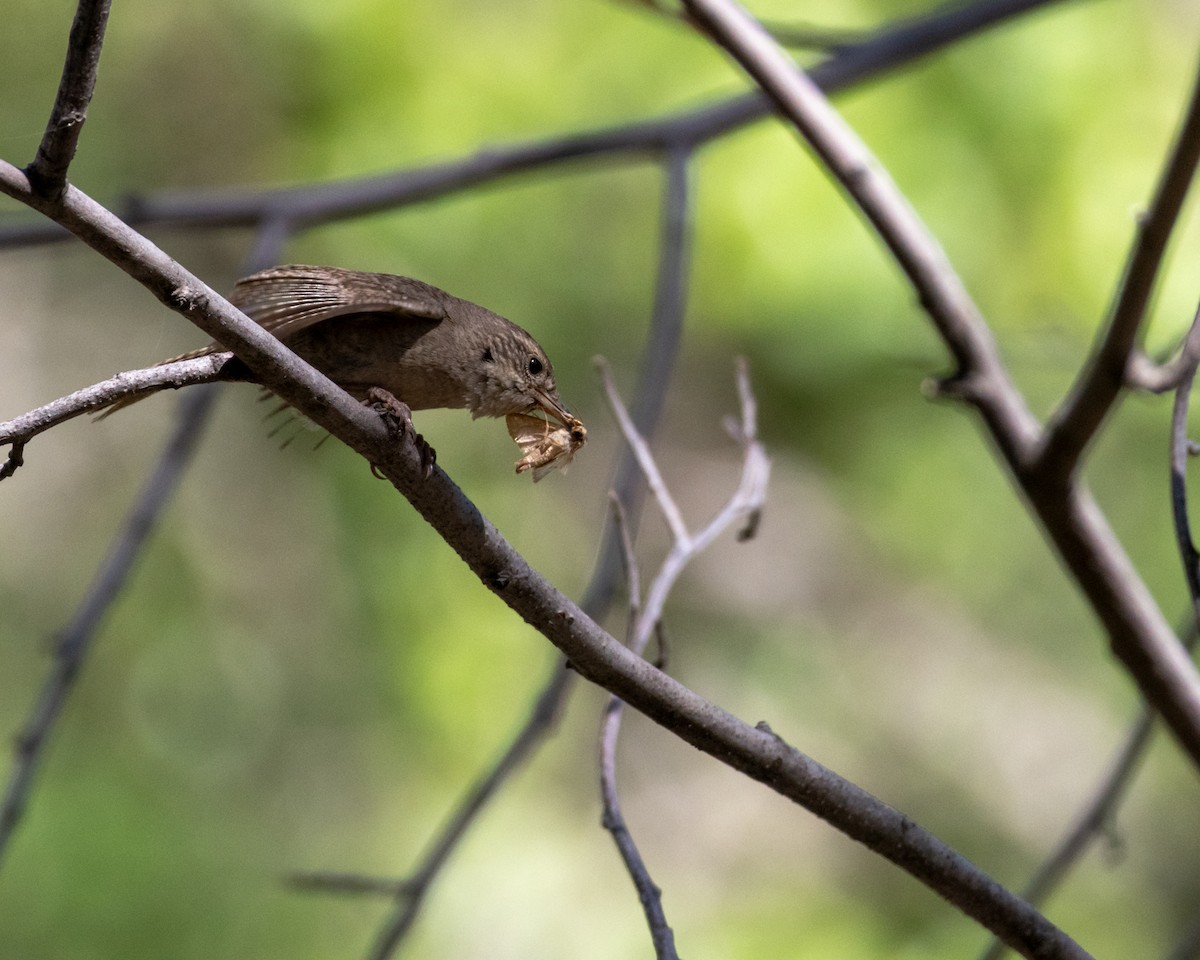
(511, 373)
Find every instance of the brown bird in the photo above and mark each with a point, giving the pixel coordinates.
(375, 334)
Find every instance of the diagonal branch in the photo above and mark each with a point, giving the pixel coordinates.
(48, 172)
(658, 361)
(74, 643)
(1091, 822)
(595, 654)
(1138, 632)
(1100, 383)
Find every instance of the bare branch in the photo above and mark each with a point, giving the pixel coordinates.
(313, 204)
(645, 621)
(633, 575)
(641, 452)
(48, 172)
(591, 650)
(613, 821)
(74, 643)
(133, 383)
(1179, 512)
(1144, 374)
(273, 365)
(1101, 381)
(662, 347)
(1139, 634)
(410, 893)
(659, 353)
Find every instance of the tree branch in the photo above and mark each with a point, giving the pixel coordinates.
(1091, 822)
(48, 172)
(1179, 511)
(1100, 383)
(594, 653)
(133, 383)
(1144, 374)
(644, 619)
(1139, 634)
(658, 360)
(313, 204)
(74, 643)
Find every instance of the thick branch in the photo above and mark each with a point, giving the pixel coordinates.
(1101, 381)
(594, 653)
(1139, 634)
(48, 172)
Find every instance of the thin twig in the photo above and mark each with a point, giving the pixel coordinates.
(641, 453)
(133, 383)
(1139, 634)
(351, 884)
(1179, 511)
(74, 642)
(645, 620)
(412, 891)
(649, 893)
(612, 819)
(660, 351)
(48, 172)
(633, 576)
(1143, 374)
(1100, 382)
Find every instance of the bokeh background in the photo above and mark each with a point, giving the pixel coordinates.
(301, 676)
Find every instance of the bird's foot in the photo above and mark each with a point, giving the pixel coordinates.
(397, 417)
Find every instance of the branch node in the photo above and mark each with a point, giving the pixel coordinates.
(14, 461)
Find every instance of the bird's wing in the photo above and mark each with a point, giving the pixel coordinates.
(288, 299)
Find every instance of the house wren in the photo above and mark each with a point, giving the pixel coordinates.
(375, 335)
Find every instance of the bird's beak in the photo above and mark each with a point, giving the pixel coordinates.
(553, 407)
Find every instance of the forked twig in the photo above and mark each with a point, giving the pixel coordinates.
(746, 502)
(1101, 381)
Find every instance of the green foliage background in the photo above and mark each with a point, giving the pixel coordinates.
(302, 676)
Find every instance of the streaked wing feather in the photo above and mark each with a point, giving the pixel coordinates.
(288, 299)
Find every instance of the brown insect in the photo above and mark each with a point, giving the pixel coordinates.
(547, 445)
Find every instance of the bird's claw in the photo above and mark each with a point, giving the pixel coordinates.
(397, 417)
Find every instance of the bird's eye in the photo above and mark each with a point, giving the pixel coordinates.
(487, 354)
(535, 366)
